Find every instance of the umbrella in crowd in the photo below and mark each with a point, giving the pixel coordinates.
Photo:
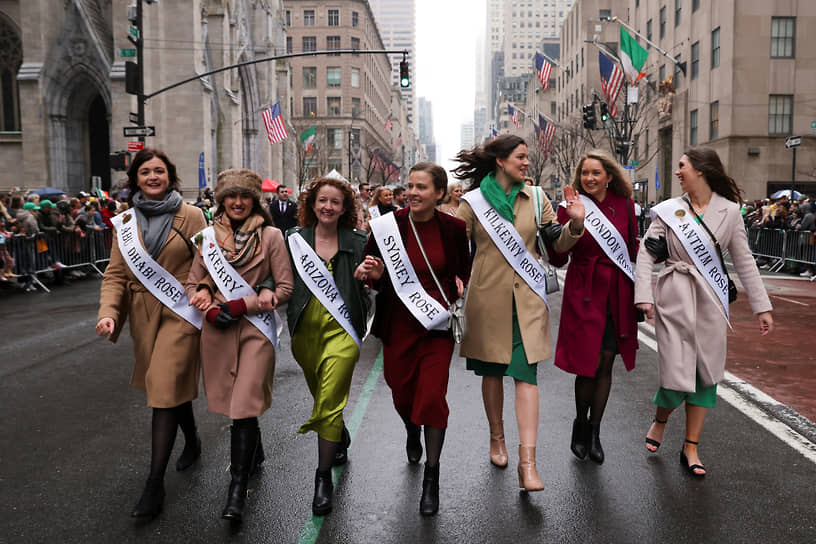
(787, 192)
(48, 192)
(269, 186)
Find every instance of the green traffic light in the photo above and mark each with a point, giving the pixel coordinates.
(404, 82)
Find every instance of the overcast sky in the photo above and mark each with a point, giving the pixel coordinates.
(446, 32)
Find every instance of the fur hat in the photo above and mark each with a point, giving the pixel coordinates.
(237, 180)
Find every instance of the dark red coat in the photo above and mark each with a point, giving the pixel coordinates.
(592, 281)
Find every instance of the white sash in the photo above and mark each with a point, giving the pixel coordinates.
(697, 244)
(158, 281)
(320, 282)
(374, 212)
(607, 236)
(510, 244)
(233, 286)
(426, 309)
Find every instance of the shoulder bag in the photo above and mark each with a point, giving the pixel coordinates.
(551, 277)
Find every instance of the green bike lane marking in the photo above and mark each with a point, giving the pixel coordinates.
(311, 529)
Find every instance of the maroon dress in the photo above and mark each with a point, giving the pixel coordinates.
(594, 284)
(416, 362)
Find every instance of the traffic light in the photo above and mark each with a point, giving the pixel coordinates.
(604, 112)
(131, 78)
(119, 160)
(589, 116)
(405, 78)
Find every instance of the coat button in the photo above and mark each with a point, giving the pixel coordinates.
(517, 284)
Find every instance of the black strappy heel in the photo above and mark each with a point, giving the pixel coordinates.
(652, 441)
(685, 463)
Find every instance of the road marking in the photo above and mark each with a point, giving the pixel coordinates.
(789, 300)
(728, 392)
(311, 529)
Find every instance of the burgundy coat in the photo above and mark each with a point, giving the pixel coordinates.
(592, 280)
(454, 240)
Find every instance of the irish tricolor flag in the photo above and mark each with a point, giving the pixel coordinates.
(307, 138)
(632, 57)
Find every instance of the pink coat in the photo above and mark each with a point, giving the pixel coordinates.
(592, 282)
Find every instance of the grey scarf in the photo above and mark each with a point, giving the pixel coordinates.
(155, 218)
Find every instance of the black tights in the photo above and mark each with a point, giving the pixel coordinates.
(163, 430)
(591, 394)
(434, 439)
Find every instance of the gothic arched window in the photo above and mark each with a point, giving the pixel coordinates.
(11, 57)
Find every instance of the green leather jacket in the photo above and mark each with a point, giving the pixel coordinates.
(350, 253)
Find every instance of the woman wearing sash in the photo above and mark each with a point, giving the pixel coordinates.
(598, 318)
(327, 319)
(165, 344)
(238, 338)
(508, 320)
(450, 204)
(690, 307)
(381, 203)
(417, 345)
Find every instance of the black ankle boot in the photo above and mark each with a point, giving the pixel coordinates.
(242, 449)
(596, 452)
(341, 456)
(429, 503)
(150, 503)
(413, 445)
(192, 451)
(579, 443)
(324, 488)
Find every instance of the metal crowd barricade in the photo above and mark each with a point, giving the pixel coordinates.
(770, 244)
(800, 247)
(52, 252)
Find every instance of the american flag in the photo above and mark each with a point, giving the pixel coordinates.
(514, 115)
(543, 68)
(493, 132)
(274, 124)
(611, 82)
(388, 123)
(545, 134)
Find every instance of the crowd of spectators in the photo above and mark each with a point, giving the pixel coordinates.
(783, 214)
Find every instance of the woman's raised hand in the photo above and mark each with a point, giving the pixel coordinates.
(575, 207)
(371, 267)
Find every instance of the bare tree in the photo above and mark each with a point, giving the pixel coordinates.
(310, 165)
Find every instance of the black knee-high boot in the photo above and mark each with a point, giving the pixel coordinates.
(244, 439)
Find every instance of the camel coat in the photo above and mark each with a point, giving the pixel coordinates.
(165, 345)
(690, 322)
(494, 284)
(238, 363)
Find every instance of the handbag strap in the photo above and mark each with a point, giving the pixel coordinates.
(424, 256)
(710, 234)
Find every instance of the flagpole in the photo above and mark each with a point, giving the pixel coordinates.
(681, 65)
(546, 56)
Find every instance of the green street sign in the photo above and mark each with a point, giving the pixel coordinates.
(813, 127)
(127, 52)
(133, 31)
(634, 163)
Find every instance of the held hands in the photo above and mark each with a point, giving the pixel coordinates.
(371, 267)
(202, 299)
(105, 326)
(267, 301)
(657, 247)
(647, 309)
(226, 314)
(575, 207)
(766, 323)
(550, 233)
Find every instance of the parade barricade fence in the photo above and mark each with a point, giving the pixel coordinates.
(779, 246)
(57, 252)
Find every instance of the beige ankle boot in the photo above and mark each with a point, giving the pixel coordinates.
(498, 450)
(528, 476)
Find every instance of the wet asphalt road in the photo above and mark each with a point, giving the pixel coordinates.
(74, 450)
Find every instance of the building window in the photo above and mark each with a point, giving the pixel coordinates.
(355, 45)
(678, 4)
(309, 106)
(11, 57)
(308, 17)
(355, 107)
(333, 106)
(309, 77)
(605, 14)
(334, 17)
(334, 76)
(288, 44)
(693, 127)
(646, 145)
(714, 120)
(783, 36)
(695, 60)
(334, 137)
(780, 114)
(334, 164)
(332, 43)
(695, 5)
(355, 19)
(649, 33)
(677, 72)
(309, 43)
(288, 17)
(355, 78)
(715, 48)
(661, 74)
(662, 22)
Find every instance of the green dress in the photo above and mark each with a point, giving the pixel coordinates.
(327, 355)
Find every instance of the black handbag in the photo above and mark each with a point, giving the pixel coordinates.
(732, 288)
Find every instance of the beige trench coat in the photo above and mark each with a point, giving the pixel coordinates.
(494, 284)
(690, 323)
(238, 363)
(165, 345)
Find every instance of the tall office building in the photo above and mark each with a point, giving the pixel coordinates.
(396, 20)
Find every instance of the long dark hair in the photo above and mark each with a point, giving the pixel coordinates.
(306, 203)
(480, 161)
(142, 157)
(706, 160)
(619, 184)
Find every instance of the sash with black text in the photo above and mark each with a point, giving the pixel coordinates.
(233, 286)
(426, 309)
(607, 236)
(158, 281)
